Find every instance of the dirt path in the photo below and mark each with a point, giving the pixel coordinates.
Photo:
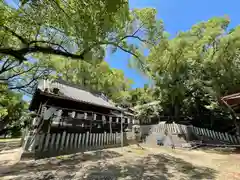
(225, 166)
(127, 164)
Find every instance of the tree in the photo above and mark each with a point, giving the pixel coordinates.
(76, 29)
(148, 113)
(194, 69)
(97, 77)
(40, 39)
(23, 77)
(82, 30)
(12, 108)
(140, 96)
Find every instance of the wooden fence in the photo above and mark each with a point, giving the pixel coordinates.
(47, 145)
(191, 131)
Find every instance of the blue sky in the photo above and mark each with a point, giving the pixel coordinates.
(177, 15)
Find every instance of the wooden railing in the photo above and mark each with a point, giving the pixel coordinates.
(190, 130)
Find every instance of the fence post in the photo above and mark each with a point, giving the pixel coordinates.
(238, 138)
(112, 136)
(99, 139)
(79, 140)
(62, 140)
(216, 133)
(211, 133)
(95, 140)
(46, 142)
(67, 141)
(84, 139)
(76, 140)
(102, 139)
(231, 139)
(221, 137)
(52, 142)
(207, 132)
(227, 137)
(71, 141)
(40, 145)
(105, 139)
(87, 140)
(58, 136)
(235, 139)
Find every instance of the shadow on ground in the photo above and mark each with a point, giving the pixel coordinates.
(69, 163)
(154, 167)
(220, 150)
(104, 165)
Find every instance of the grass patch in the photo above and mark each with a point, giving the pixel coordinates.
(9, 139)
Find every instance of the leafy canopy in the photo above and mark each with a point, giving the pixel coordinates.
(75, 29)
(194, 69)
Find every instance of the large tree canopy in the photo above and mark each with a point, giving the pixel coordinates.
(194, 69)
(82, 30)
(76, 29)
(52, 38)
(13, 111)
(95, 77)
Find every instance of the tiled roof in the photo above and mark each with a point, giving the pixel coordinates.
(77, 94)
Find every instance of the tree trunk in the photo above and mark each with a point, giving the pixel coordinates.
(176, 111)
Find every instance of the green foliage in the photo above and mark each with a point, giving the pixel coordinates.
(95, 77)
(81, 30)
(40, 39)
(149, 112)
(76, 29)
(13, 112)
(23, 76)
(190, 72)
(194, 69)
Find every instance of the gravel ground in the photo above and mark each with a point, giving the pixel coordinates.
(128, 163)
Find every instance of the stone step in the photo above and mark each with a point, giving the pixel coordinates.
(167, 140)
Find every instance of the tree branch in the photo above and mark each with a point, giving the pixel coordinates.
(6, 66)
(136, 37)
(34, 78)
(14, 53)
(137, 30)
(129, 52)
(24, 41)
(20, 73)
(21, 53)
(50, 43)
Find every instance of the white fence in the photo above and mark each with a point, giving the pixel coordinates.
(191, 130)
(46, 145)
(64, 143)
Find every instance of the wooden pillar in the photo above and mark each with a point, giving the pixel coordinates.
(104, 121)
(91, 124)
(85, 115)
(110, 124)
(73, 114)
